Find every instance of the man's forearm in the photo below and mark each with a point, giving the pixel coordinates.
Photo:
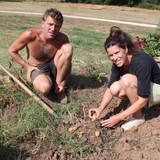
(19, 59)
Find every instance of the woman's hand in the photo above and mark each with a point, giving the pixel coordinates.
(111, 121)
(96, 111)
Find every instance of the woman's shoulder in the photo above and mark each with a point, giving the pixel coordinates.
(142, 60)
(142, 56)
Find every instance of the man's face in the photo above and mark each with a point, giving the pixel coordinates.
(51, 27)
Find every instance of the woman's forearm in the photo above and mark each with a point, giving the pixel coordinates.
(106, 99)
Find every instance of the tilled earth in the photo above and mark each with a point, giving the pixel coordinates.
(140, 143)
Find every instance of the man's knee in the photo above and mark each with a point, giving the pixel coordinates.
(43, 88)
(64, 54)
(66, 50)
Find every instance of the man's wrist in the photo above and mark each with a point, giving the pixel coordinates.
(26, 65)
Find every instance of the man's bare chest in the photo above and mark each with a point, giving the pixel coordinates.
(40, 50)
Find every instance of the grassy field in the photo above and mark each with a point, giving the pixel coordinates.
(21, 116)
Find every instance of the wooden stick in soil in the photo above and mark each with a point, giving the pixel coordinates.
(29, 92)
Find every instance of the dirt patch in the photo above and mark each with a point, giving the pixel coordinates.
(140, 143)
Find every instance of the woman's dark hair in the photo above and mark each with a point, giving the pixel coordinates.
(120, 38)
(54, 13)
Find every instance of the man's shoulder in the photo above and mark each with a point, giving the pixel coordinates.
(62, 38)
(32, 33)
(62, 35)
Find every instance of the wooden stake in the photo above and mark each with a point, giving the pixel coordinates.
(29, 92)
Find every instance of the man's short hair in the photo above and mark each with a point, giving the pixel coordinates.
(54, 13)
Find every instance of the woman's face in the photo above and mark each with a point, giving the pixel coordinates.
(117, 55)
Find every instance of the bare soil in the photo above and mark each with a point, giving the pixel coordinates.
(140, 143)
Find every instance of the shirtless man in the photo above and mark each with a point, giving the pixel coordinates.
(49, 53)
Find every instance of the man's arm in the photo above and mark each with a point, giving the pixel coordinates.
(18, 45)
(22, 42)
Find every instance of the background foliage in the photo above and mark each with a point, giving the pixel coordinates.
(149, 4)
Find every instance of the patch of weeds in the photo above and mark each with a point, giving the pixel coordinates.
(29, 117)
(75, 146)
(10, 152)
(6, 96)
(96, 69)
(69, 110)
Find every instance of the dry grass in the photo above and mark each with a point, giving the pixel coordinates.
(94, 11)
(130, 14)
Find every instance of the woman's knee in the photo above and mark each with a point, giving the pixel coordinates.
(115, 88)
(128, 80)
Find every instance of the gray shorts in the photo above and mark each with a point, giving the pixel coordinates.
(47, 68)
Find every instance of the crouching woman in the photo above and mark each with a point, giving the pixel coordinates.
(134, 76)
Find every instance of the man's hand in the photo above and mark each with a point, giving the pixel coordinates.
(29, 70)
(111, 121)
(59, 88)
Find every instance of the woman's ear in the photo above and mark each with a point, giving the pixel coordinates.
(126, 49)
